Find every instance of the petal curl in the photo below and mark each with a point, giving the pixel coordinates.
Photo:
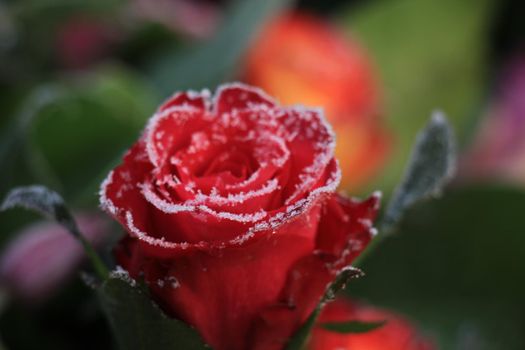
(199, 100)
(238, 96)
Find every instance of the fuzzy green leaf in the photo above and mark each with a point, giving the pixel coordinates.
(51, 205)
(431, 166)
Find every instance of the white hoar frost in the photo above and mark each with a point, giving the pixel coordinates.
(170, 281)
(173, 208)
(120, 273)
(234, 198)
(275, 129)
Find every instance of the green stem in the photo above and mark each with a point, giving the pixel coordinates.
(97, 263)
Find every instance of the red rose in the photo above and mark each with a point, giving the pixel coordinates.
(396, 334)
(232, 215)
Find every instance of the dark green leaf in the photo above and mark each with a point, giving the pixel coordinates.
(99, 117)
(210, 64)
(301, 336)
(456, 268)
(109, 105)
(431, 166)
(138, 323)
(12, 140)
(51, 205)
(352, 326)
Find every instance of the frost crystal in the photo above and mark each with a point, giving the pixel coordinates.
(123, 275)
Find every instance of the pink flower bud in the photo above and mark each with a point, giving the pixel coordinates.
(44, 255)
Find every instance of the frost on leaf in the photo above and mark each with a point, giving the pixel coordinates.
(431, 166)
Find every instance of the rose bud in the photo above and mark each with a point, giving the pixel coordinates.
(396, 334)
(43, 257)
(232, 214)
(498, 150)
(299, 58)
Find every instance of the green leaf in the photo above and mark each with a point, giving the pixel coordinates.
(301, 336)
(431, 166)
(96, 115)
(352, 326)
(12, 140)
(138, 323)
(99, 117)
(51, 205)
(456, 268)
(210, 64)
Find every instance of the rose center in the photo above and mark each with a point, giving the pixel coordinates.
(233, 161)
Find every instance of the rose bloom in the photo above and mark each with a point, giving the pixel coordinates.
(232, 214)
(299, 58)
(396, 334)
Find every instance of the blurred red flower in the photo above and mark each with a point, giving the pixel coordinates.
(301, 59)
(232, 214)
(396, 334)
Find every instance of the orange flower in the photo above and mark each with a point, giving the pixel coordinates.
(301, 59)
(396, 334)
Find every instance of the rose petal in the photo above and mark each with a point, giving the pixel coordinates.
(308, 279)
(239, 96)
(194, 99)
(222, 311)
